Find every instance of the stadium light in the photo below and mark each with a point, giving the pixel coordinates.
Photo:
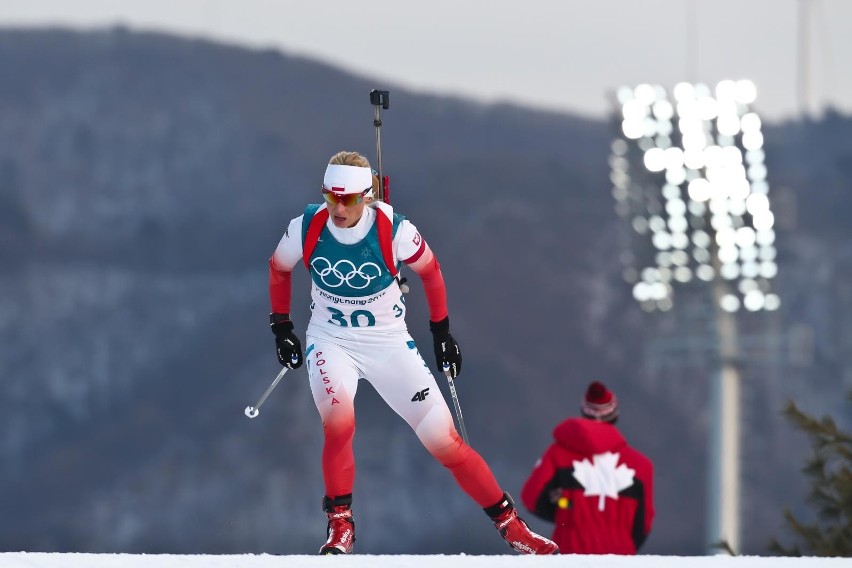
(689, 179)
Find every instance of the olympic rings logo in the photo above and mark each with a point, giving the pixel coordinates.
(345, 272)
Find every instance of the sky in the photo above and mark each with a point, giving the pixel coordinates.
(566, 55)
(54, 560)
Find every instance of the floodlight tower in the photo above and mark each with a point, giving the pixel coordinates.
(689, 179)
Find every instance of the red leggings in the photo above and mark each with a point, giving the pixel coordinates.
(396, 371)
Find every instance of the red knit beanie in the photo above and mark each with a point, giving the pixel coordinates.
(600, 403)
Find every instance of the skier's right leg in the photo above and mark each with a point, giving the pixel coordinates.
(341, 527)
(334, 382)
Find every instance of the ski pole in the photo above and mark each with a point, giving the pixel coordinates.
(253, 411)
(456, 403)
(380, 100)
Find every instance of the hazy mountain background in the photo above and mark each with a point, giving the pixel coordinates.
(145, 181)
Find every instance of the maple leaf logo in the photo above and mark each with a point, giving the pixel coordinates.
(603, 478)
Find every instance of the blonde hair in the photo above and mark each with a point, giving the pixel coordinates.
(345, 158)
(348, 158)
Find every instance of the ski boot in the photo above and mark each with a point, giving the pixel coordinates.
(515, 531)
(341, 527)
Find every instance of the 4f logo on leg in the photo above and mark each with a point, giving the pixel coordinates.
(420, 396)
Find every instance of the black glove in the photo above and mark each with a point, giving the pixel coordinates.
(447, 353)
(287, 345)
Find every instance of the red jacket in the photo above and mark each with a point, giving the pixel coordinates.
(597, 490)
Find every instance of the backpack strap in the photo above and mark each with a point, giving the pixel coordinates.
(386, 225)
(313, 222)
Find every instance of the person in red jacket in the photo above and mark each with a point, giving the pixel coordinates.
(596, 489)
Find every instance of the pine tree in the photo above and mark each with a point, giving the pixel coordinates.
(830, 472)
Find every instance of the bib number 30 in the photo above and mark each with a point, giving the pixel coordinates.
(362, 318)
(358, 318)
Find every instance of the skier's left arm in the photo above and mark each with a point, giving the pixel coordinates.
(414, 251)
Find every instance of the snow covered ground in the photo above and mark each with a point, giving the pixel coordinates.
(54, 560)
